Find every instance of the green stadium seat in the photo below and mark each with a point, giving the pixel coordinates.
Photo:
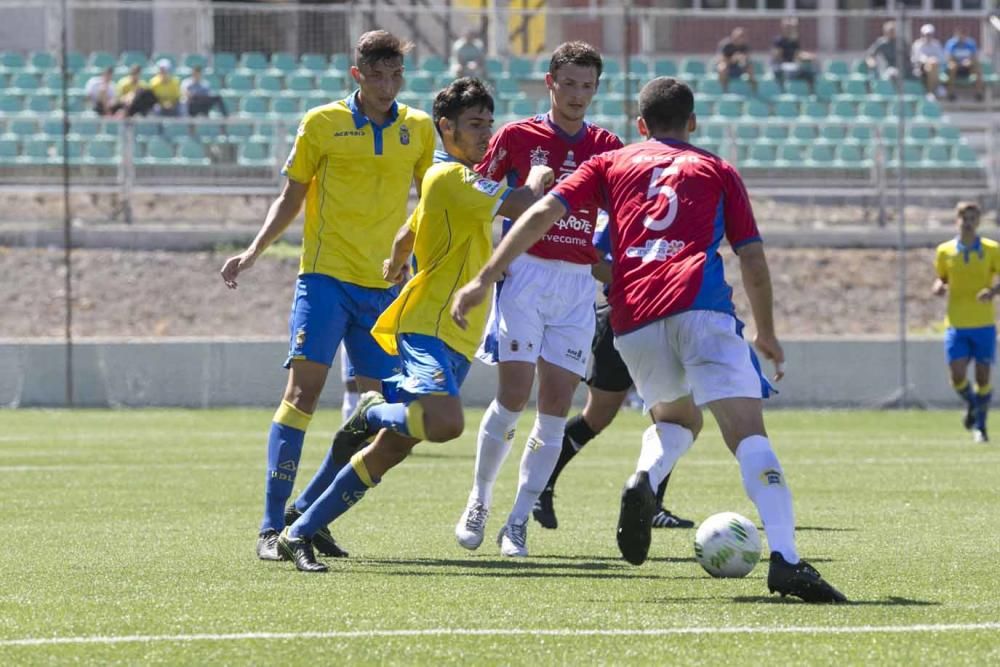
(849, 155)
(164, 55)
(739, 87)
(254, 105)
(286, 106)
(948, 133)
(192, 153)
(913, 88)
(929, 109)
(710, 88)
(420, 84)
(254, 60)
(12, 61)
(333, 84)
(130, 58)
(761, 155)
(269, 83)
(284, 62)
(195, 60)
(920, 133)
(861, 133)
(239, 82)
(767, 89)
(883, 88)
(786, 110)
(872, 109)
(494, 67)
(223, 62)
(704, 107)
(693, 68)
(825, 89)
(235, 132)
(11, 103)
(301, 83)
(75, 148)
(712, 131)
(804, 133)
(101, 153)
(176, 131)
(521, 107)
(790, 155)
(340, 61)
(520, 68)
(100, 60)
(23, 83)
(843, 109)
(756, 109)
(665, 67)
(433, 64)
(832, 134)
(797, 87)
(859, 67)
(937, 155)
(856, 87)
(838, 68)
(8, 151)
(729, 109)
(507, 87)
(42, 60)
(639, 66)
(53, 81)
(814, 110)
(85, 128)
(264, 130)
(966, 156)
(22, 127)
(314, 62)
(747, 131)
(36, 151)
(776, 133)
(52, 128)
(909, 110)
(255, 154)
(41, 104)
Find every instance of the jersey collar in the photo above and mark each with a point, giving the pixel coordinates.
(569, 138)
(976, 247)
(443, 156)
(360, 119)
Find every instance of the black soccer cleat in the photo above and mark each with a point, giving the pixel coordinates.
(355, 430)
(801, 580)
(667, 519)
(322, 540)
(543, 511)
(635, 521)
(969, 420)
(267, 546)
(299, 550)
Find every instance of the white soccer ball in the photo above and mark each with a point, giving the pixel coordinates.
(727, 545)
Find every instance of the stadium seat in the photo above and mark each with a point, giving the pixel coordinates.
(704, 107)
(797, 87)
(639, 66)
(255, 154)
(849, 155)
(434, 65)
(948, 133)
(872, 109)
(101, 153)
(284, 62)
(340, 61)
(235, 132)
(728, 109)
(739, 87)
(775, 133)
(756, 109)
(332, 84)
(286, 106)
(36, 151)
(223, 62)
(23, 83)
(164, 55)
(254, 105)
(861, 133)
(804, 133)
(507, 87)
(966, 156)
(8, 151)
(767, 89)
(253, 60)
(825, 89)
(192, 153)
(693, 68)
(838, 68)
(520, 68)
(843, 110)
(314, 62)
(22, 127)
(937, 156)
(239, 82)
(814, 110)
(832, 134)
(494, 67)
(52, 128)
(856, 87)
(761, 155)
(100, 60)
(913, 88)
(420, 84)
(129, 58)
(710, 88)
(11, 103)
(271, 84)
(920, 133)
(712, 131)
(40, 104)
(11, 61)
(746, 131)
(883, 88)
(85, 128)
(521, 107)
(195, 60)
(665, 67)
(909, 110)
(42, 60)
(929, 109)
(790, 155)
(301, 83)
(176, 131)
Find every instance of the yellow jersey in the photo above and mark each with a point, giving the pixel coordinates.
(453, 240)
(359, 175)
(167, 91)
(126, 85)
(967, 270)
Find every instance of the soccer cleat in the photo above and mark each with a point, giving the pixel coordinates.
(667, 519)
(299, 550)
(801, 580)
(267, 546)
(543, 511)
(513, 539)
(979, 435)
(969, 420)
(355, 431)
(471, 526)
(322, 540)
(635, 521)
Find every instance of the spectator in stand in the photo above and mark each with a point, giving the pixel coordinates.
(881, 55)
(197, 96)
(927, 56)
(101, 91)
(788, 59)
(734, 59)
(468, 56)
(134, 95)
(963, 63)
(166, 88)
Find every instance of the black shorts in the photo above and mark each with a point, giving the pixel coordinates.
(607, 370)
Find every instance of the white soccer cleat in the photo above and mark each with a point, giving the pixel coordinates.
(472, 525)
(979, 435)
(513, 539)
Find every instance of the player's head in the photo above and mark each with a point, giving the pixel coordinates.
(574, 71)
(666, 109)
(889, 29)
(378, 67)
(967, 216)
(463, 115)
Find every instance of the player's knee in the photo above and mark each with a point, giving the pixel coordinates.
(445, 427)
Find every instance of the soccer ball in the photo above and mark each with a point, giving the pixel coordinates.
(727, 545)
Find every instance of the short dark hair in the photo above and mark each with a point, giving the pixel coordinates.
(666, 104)
(461, 94)
(576, 53)
(378, 45)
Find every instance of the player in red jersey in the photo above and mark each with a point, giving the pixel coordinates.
(670, 206)
(543, 313)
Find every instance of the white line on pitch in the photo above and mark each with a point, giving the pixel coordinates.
(501, 632)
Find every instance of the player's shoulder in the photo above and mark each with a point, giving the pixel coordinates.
(603, 138)
(990, 245)
(532, 126)
(325, 115)
(949, 246)
(414, 115)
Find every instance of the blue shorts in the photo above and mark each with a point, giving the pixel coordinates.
(979, 343)
(327, 311)
(429, 367)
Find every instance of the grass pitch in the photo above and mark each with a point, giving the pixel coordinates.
(130, 535)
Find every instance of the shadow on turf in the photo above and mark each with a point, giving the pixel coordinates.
(890, 601)
(514, 568)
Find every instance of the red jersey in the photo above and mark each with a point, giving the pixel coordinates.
(669, 206)
(520, 145)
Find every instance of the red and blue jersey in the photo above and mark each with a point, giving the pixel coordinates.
(520, 145)
(670, 204)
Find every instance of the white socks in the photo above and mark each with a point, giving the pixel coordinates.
(541, 453)
(496, 433)
(662, 445)
(764, 482)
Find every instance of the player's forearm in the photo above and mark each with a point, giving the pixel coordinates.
(757, 285)
(529, 228)
(279, 216)
(402, 246)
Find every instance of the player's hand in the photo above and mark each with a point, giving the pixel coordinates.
(540, 178)
(770, 349)
(940, 287)
(468, 297)
(984, 295)
(236, 265)
(395, 274)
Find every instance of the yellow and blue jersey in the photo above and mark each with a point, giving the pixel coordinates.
(453, 240)
(360, 175)
(967, 270)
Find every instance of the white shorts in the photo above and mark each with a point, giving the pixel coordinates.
(346, 367)
(544, 308)
(697, 352)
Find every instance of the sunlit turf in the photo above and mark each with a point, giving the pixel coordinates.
(141, 524)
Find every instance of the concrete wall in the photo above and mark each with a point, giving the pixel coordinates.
(212, 373)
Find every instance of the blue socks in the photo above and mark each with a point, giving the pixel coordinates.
(349, 486)
(388, 415)
(284, 449)
(983, 395)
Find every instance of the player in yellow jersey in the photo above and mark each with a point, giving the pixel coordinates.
(966, 268)
(353, 164)
(450, 234)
